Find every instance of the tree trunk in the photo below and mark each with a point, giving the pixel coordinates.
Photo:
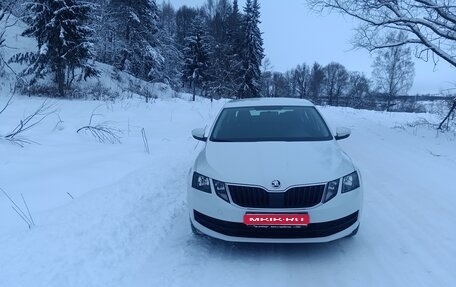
(453, 108)
(194, 91)
(388, 103)
(60, 79)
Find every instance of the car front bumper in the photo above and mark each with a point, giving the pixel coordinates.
(330, 221)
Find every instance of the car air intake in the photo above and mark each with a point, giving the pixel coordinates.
(257, 197)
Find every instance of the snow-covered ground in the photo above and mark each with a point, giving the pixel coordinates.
(112, 215)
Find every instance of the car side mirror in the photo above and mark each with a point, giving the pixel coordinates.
(198, 134)
(342, 133)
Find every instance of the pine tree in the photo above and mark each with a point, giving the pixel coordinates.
(171, 69)
(220, 47)
(184, 19)
(135, 23)
(64, 41)
(235, 38)
(253, 52)
(196, 56)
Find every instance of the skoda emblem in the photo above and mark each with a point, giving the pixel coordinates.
(276, 184)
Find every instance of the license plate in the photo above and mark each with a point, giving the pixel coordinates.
(276, 219)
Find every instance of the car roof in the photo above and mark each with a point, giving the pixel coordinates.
(264, 102)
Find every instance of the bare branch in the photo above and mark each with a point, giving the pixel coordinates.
(27, 219)
(430, 22)
(8, 102)
(102, 132)
(29, 122)
(145, 141)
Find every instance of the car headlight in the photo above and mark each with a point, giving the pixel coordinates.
(201, 182)
(220, 190)
(350, 182)
(331, 190)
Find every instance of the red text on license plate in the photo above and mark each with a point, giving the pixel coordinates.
(276, 219)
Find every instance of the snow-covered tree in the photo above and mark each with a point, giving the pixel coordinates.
(135, 25)
(170, 71)
(4, 16)
(104, 32)
(197, 56)
(253, 52)
(5, 13)
(235, 38)
(64, 41)
(394, 69)
(184, 18)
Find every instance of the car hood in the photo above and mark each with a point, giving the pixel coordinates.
(259, 163)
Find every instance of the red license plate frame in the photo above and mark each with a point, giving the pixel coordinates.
(276, 219)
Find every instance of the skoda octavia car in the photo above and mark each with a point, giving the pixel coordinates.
(272, 171)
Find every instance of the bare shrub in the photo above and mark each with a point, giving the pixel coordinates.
(102, 132)
(137, 88)
(30, 121)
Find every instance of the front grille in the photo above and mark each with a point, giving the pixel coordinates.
(313, 230)
(296, 197)
(304, 196)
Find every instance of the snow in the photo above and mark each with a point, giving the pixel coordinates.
(128, 224)
(113, 215)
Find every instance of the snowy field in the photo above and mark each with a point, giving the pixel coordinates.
(113, 215)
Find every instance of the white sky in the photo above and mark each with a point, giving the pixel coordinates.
(293, 35)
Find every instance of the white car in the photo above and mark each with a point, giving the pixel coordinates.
(272, 171)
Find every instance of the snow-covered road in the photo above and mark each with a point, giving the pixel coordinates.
(128, 224)
(406, 239)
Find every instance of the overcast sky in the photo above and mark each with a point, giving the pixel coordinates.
(293, 35)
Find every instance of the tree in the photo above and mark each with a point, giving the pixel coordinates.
(253, 52)
(428, 24)
(266, 78)
(336, 78)
(184, 18)
(170, 71)
(135, 24)
(317, 76)
(102, 31)
(280, 87)
(394, 69)
(358, 88)
(196, 56)
(221, 50)
(301, 79)
(64, 41)
(5, 14)
(235, 38)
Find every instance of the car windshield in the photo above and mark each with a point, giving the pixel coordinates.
(275, 123)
